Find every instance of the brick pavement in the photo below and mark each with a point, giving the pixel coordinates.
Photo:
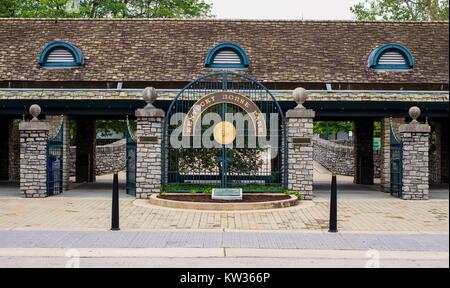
(357, 215)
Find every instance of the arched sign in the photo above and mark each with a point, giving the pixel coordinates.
(252, 110)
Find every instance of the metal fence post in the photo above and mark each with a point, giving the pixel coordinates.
(333, 206)
(115, 204)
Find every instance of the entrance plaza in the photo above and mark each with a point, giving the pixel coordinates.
(225, 110)
(361, 209)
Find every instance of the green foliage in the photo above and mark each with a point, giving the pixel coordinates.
(193, 188)
(297, 194)
(324, 128)
(9, 8)
(401, 10)
(240, 160)
(106, 127)
(333, 127)
(105, 8)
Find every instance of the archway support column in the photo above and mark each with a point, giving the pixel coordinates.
(149, 135)
(415, 139)
(299, 124)
(33, 156)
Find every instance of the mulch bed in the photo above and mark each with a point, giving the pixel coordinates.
(207, 198)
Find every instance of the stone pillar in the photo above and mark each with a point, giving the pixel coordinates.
(299, 124)
(14, 151)
(444, 153)
(363, 143)
(86, 151)
(4, 149)
(55, 125)
(149, 134)
(415, 139)
(33, 156)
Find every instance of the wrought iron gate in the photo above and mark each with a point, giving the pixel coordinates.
(196, 169)
(55, 162)
(396, 164)
(131, 148)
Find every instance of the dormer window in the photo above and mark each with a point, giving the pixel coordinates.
(391, 57)
(61, 54)
(227, 56)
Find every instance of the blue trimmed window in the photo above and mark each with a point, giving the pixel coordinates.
(227, 56)
(61, 54)
(391, 57)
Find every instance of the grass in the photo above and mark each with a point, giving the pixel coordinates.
(193, 188)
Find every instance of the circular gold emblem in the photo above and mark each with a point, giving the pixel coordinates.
(224, 133)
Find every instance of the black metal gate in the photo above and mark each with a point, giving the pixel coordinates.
(197, 169)
(131, 148)
(55, 162)
(396, 164)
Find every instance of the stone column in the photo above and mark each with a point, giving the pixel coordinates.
(14, 151)
(363, 141)
(86, 151)
(33, 156)
(444, 153)
(4, 149)
(299, 124)
(385, 155)
(415, 139)
(149, 134)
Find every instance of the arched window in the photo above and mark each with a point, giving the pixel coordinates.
(391, 57)
(61, 54)
(227, 56)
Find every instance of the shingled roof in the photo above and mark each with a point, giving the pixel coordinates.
(175, 50)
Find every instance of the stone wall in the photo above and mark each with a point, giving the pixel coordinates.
(109, 158)
(339, 158)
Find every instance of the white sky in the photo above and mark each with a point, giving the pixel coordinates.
(283, 9)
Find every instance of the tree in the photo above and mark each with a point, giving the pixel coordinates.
(9, 8)
(401, 10)
(329, 128)
(105, 8)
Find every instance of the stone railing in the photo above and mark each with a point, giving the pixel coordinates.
(109, 158)
(339, 158)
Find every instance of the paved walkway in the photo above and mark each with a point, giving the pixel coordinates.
(84, 213)
(360, 209)
(224, 239)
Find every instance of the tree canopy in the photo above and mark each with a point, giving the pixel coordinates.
(401, 10)
(104, 8)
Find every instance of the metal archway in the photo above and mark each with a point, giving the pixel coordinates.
(198, 168)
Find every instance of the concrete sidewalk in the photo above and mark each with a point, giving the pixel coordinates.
(224, 239)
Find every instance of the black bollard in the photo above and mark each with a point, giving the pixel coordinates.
(115, 204)
(333, 206)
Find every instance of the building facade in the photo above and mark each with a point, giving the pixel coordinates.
(88, 70)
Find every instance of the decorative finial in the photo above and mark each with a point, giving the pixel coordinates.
(150, 95)
(35, 111)
(300, 95)
(414, 112)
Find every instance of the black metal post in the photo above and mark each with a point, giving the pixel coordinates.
(333, 206)
(115, 204)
